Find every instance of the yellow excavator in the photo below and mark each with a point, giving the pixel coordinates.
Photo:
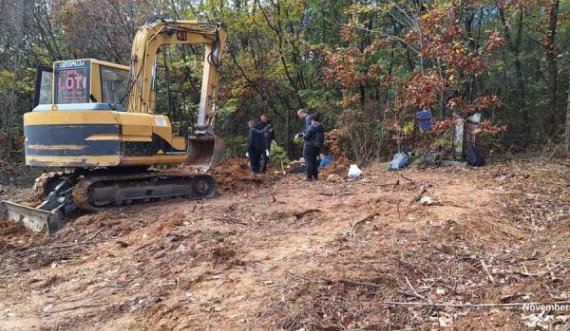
(99, 122)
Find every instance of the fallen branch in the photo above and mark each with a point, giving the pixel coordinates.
(351, 282)
(388, 184)
(231, 220)
(122, 243)
(408, 179)
(510, 297)
(419, 196)
(366, 218)
(398, 209)
(417, 295)
(305, 212)
(93, 236)
(411, 294)
(144, 246)
(486, 269)
(520, 273)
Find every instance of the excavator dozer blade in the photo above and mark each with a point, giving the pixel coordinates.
(34, 219)
(205, 152)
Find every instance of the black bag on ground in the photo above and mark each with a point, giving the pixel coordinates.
(473, 157)
(432, 158)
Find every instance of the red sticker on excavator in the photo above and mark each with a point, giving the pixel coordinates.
(72, 86)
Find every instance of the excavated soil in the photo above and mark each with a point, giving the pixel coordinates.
(278, 253)
(233, 175)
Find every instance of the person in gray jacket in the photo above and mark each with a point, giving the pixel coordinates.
(314, 138)
(306, 117)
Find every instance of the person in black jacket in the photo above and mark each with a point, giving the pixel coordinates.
(256, 146)
(314, 138)
(265, 124)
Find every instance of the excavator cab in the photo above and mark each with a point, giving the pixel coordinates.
(83, 81)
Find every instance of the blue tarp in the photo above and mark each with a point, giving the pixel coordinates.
(326, 161)
(424, 118)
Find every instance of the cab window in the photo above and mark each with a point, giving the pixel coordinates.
(44, 82)
(113, 84)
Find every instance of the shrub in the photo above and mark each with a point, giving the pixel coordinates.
(278, 155)
(235, 145)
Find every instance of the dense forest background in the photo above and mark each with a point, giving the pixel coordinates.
(366, 65)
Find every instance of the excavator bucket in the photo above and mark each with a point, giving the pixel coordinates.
(37, 220)
(205, 152)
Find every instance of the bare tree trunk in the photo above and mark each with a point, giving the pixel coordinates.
(551, 55)
(567, 130)
(288, 132)
(514, 45)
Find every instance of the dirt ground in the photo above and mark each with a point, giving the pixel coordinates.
(277, 253)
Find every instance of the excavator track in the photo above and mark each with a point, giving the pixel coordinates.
(65, 192)
(43, 183)
(94, 192)
(54, 190)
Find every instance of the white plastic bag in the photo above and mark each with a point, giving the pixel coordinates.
(354, 172)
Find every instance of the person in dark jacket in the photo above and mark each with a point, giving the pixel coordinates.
(265, 124)
(314, 138)
(256, 146)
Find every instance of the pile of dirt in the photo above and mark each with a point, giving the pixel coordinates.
(339, 167)
(333, 141)
(15, 235)
(233, 174)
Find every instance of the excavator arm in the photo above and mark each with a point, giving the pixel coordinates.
(205, 149)
(142, 97)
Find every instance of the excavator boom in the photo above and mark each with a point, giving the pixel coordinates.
(204, 149)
